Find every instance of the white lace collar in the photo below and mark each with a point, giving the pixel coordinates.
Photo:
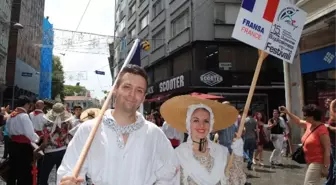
(110, 122)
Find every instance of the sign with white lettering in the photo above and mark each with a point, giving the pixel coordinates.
(272, 26)
(211, 78)
(172, 84)
(150, 90)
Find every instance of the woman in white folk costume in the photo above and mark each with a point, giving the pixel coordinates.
(202, 161)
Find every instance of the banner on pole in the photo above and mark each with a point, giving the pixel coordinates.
(272, 26)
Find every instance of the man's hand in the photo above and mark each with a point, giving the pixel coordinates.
(325, 171)
(71, 181)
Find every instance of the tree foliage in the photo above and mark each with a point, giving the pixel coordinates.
(57, 78)
(75, 90)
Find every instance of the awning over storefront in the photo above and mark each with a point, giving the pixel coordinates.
(206, 96)
(204, 81)
(318, 60)
(158, 98)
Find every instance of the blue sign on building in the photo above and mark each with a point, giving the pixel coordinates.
(318, 60)
(99, 72)
(46, 60)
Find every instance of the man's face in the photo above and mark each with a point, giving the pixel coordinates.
(78, 111)
(275, 114)
(130, 93)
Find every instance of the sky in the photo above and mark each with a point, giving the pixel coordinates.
(98, 19)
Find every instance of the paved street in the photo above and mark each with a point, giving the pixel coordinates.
(290, 174)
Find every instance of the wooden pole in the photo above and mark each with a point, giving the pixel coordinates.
(262, 56)
(88, 143)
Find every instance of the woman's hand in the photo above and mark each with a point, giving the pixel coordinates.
(238, 147)
(283, 109)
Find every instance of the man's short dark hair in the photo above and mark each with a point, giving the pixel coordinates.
(276, 110)
(312, 110)
(133, 69)
(77, 106)
(23, 100)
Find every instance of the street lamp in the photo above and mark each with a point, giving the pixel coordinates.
(17, 26)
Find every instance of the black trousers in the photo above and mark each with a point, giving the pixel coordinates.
(20, 160)
(47, 164)
(6, 152)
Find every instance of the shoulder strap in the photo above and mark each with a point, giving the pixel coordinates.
(311, 133)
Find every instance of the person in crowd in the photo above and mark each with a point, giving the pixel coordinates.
(175, 137)
(55, 140)
(5, 116)
(331, 125)
(327, 103)
(227, 135)
(37, 117)
(251, 138)
(277, 127)
(88, 114)
(77, 109)
(202, 161)
(316, 143)
(127, 149)
(287, 148)
(258, 155)
(21, 131)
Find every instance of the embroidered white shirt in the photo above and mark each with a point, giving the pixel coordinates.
(38, 120)
(22, 125)
(147, 158)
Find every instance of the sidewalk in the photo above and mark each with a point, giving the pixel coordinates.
(291, 173)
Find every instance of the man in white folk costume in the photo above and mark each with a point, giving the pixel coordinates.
(203, 162)
(22, 134)
(127, 149)
(37, 118)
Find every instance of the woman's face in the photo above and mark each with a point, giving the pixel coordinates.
(200, 124)
(259, 116)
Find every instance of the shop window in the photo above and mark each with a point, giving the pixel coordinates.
(132, 34)
(226, 13)
(211, 56)
(131, 9)
(182, 63)
(144, 22)
(180, 24)
(121, 26)
(158, 7)
(159, 39)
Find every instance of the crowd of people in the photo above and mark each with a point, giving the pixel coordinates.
(129, 148)
(35, 137)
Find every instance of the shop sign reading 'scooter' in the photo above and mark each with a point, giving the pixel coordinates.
(172, 84)
(210, 78)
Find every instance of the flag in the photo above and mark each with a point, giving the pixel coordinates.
(267, 8)
(135, 59)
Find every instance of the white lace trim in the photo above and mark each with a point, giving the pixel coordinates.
(120, 130)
